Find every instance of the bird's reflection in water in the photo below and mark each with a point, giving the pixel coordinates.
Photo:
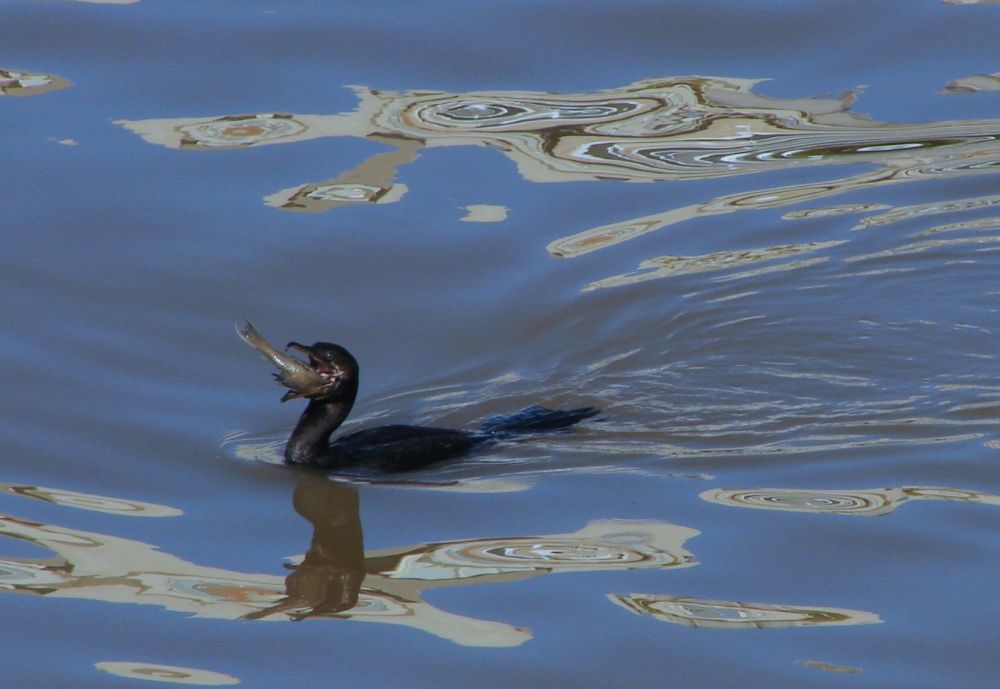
(336, 574)
(337, 579)
(328, 580)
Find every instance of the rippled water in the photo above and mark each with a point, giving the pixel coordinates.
(760, 236)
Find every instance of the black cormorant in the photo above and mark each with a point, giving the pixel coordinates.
(330, 382)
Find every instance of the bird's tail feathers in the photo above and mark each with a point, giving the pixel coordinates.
(536, 419)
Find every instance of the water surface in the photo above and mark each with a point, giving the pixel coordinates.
(761, 236)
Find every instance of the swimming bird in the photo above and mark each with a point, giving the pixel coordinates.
(329, 380)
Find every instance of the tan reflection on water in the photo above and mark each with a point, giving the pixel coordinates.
(981, 224)
(977, 82)
(480, 212)
(918, 247)
(94, 503)
(668, 266)
(984, 158)
(867, 503)
(165, 673)
(672, 128)
(17, 82)
(370, 182)
(830, 667)
(335, 578)
(833, 211)
(924, 209)
(718, 614)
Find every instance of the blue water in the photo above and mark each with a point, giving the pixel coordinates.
(768, 354)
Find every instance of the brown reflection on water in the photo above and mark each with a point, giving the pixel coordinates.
(718, 614)
(873, 502)
(17, 82)
(328, 578)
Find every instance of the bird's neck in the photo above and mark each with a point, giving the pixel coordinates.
(310, 441)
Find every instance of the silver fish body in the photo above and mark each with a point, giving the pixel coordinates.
(300, 378)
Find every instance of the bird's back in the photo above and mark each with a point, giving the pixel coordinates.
(401, 448)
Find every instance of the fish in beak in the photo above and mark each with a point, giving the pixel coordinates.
(317, 378)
